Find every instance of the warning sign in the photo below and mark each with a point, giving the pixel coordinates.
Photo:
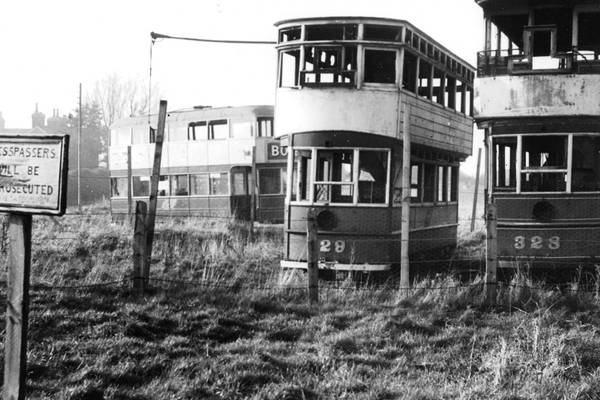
(33, 174)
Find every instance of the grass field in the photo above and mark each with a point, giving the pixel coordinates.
(232, 332)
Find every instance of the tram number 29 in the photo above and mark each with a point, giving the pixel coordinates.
(537, 243)
(327, 246)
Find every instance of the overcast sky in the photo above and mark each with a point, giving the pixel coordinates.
(48, 47)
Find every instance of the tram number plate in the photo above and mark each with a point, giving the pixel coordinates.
(326, 246)
(537, 243)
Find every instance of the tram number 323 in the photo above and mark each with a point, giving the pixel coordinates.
(537, 243)
(327, 246)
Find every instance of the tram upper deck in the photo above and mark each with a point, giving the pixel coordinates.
(356, 74)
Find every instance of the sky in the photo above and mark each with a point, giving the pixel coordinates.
(48, 47)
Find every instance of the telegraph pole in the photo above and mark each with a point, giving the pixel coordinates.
(79, 154)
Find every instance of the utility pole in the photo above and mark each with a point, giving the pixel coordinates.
(79, 154)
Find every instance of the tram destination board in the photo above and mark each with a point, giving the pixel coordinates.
(33, 174)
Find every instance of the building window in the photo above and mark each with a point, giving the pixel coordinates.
(269, 181)
(118, 187)
(265, 127)
(197, 130)
(380, 66)
(372, 176)
(141, 186)
(329, 65)
(544, 163)
(179, 185)
(218, 129)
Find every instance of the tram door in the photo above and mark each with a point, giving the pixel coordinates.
(240, 197)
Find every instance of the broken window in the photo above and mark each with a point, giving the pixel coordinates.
(199, 184)
(265, 126)
(372, 176)
(380, 66)
(289, 70)
(118, 187)
(408, 37)
(505, 164)
(544, 163)
(450, 101)
(425, 79)
(428, 183)
(269, 181)
(179, 185)
(415, 41)
(218, 129)
(409, 72)
(382, 33)
(459, 104)
(585, 176)
(332, 32)
(301, 175)
(141, 186)
(439, 81)
(329, 65)
(333, 181)
(289, 34)
(198, 130)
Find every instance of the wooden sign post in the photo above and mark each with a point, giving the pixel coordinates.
(33, 180)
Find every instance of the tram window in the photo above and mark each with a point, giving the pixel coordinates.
(178, 133)
(408, 36)
(218, 129)
(425, 80)
(241, 129)
(163, 186)
(238, 184)
(289, 34)
(301, 175)
(453, 183)
(269, 181)
(585, 176)
(140, 134)
(289, 68)
(439, 80)
(505, 164)
(265, 127)
(588, 27)
(441, 183)
(329, 65)
(332, 32)
(380, 66)
(372, 176)
(152, 135)
(334, 167)
(428, 183)
(382, 33)
(198, 131)
(120, 136)
(415, 41)
(469, 101)
(409, 72)
(458, 97)
(541, 157)
(218, 183)
(118, 187)
(415, 180)
(179, 185)
(141, 186)
(199, 184)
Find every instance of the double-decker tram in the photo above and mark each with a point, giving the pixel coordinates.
(207, 161)
(537, 97)
(343, 84)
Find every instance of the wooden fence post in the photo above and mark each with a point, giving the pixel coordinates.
(139, 242)
(312, 245)
(154, 180)
(476, 191)
(491, 264)
(129, 188)
(17, 308)
(253, 193)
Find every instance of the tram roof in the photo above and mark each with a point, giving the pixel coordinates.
(368, 20)
(509, 6)
(204, 112)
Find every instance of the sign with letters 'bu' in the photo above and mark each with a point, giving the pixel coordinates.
(275, 151)
(33, 174)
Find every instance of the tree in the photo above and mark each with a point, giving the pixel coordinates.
(94, 136)
(120, 97)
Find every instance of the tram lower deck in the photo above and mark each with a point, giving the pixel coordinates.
(352, 181)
